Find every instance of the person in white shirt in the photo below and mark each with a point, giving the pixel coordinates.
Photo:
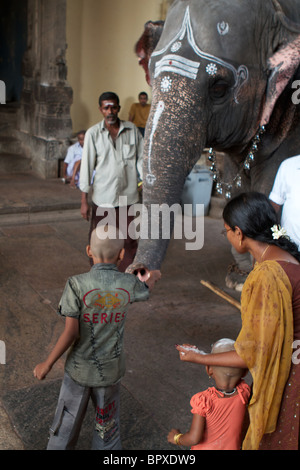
(285, 195)
(112, 160)
(72, 161)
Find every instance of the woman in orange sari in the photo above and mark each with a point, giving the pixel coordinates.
(270, 308)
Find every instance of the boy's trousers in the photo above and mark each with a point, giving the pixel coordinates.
(72, 405)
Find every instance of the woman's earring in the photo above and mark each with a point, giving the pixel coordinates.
(240, 242)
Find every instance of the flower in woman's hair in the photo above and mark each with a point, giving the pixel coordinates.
(278, 232)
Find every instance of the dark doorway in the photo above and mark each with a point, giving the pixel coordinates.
(13, 44)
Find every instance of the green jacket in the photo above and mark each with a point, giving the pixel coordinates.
(100, 300)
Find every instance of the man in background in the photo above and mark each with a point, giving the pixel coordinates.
(139, 112)
(112, 158)
(285, 196)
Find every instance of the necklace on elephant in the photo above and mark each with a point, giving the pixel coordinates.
(222, 186)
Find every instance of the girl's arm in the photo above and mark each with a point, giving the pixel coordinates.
(191, 438)
(68, 336)
(226, 359)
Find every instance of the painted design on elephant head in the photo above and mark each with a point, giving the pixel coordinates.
(150, 178)
(188, 68)
(223, 28)
(176, 46)
(172, 62)
(211, 69)
(166, 84)
(180, 65)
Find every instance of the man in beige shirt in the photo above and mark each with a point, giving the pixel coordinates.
(111, 166)
(139, 112)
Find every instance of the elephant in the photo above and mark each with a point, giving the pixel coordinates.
(224, 76)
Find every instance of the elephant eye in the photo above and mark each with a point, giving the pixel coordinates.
(218, 89)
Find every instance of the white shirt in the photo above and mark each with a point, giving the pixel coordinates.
(286, 193)
(117, 166)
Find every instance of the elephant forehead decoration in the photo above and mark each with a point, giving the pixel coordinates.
(175, 63)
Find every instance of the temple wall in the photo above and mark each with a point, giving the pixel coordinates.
(101, 36)
(74, 51)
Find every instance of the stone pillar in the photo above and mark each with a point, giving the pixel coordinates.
(45, 121)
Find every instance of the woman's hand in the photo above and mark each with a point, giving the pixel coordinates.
(189, 353)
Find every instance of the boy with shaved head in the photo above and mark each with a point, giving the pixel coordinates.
(95, 306)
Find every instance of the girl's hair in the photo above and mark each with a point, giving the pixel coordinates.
(254, 215)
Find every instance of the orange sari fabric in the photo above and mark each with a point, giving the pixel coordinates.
(265, 344)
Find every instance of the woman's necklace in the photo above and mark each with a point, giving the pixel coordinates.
(264, 252)
(227, 393)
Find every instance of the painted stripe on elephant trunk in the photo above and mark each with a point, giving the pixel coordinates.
(150, 178)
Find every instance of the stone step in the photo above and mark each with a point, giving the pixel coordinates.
(28, 199)
(10, 145)
(9, 116)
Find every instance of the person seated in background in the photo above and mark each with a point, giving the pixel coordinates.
(139, 112)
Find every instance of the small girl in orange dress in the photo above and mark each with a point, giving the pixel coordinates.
(218, 412)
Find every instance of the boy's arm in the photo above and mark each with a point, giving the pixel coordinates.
(68, 336)
(192, 437)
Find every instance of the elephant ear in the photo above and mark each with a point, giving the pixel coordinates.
(147, 43)
(282, 66)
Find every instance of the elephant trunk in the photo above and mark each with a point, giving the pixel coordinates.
(170, 152)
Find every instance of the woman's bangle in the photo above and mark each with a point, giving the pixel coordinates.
(176, 438)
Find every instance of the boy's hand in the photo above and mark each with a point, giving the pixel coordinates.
(144, 274)
(41, 370)
(153, 278)
(171, 435)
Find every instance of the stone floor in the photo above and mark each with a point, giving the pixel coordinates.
(42, 243)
